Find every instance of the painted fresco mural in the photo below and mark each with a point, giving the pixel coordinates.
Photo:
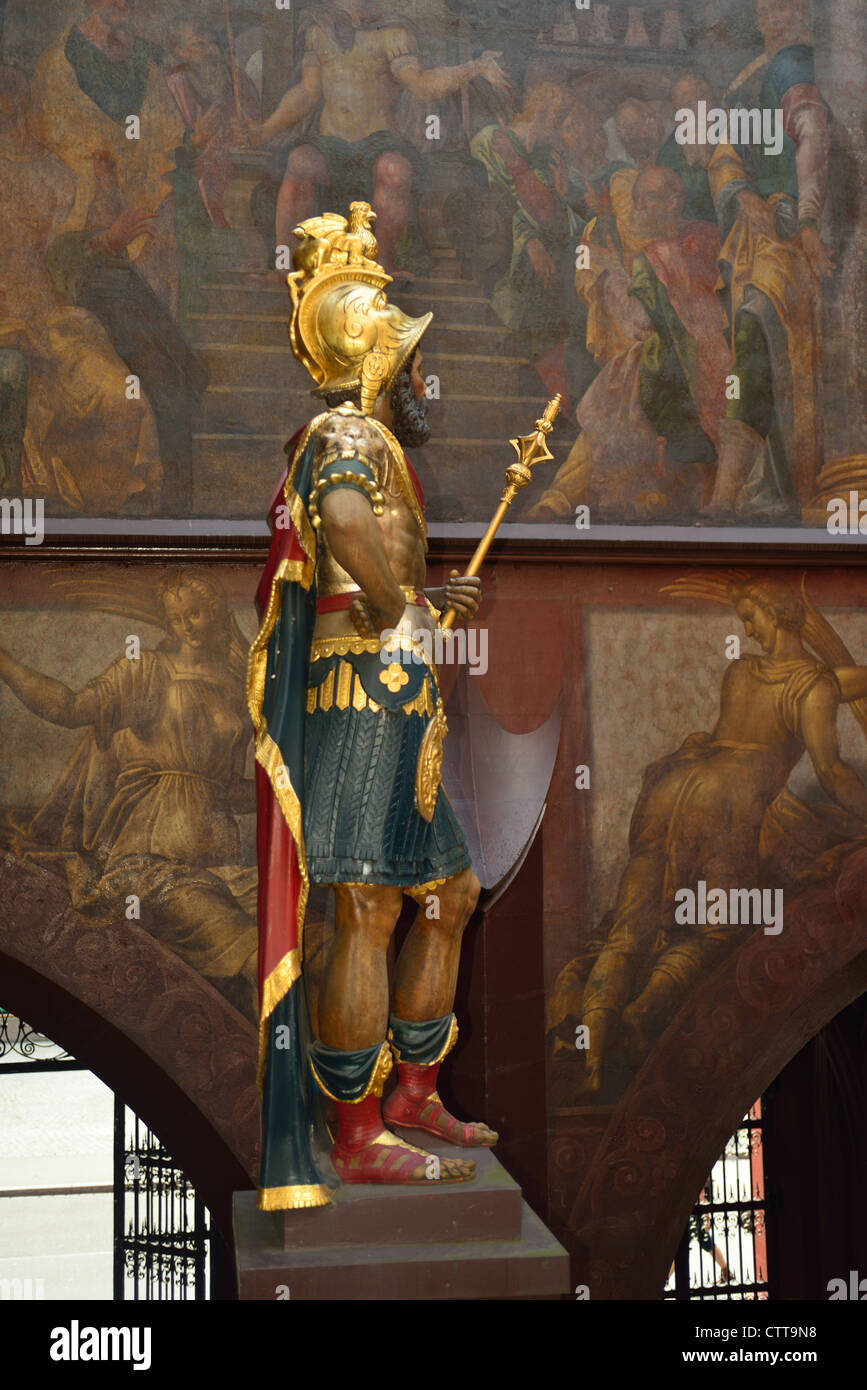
(127, 747)
(564, 185)
(703, 845)
(128, 763)
(750, 792)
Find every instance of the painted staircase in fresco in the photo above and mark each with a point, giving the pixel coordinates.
(259, 395)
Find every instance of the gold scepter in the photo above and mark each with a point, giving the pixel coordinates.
(531, 449)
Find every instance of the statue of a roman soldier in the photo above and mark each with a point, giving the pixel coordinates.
(349, 748)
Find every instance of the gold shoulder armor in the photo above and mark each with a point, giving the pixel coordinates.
(345, 433)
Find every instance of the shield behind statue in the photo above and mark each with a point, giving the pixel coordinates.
(497, 783)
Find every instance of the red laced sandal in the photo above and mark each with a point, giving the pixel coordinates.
(416, 1105)
(366, 1152)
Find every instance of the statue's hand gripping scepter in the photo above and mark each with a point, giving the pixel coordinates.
(531, 449)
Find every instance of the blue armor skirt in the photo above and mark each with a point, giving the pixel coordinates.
(362, 739)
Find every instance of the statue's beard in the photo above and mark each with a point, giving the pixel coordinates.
(410, 425)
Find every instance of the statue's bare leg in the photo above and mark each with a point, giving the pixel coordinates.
(424, 988)
(392, 193)
(353, 996)
(353, 1015)
(426, 975)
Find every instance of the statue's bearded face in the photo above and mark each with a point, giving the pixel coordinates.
(410, 425)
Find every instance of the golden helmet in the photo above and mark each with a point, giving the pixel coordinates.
(343, 328)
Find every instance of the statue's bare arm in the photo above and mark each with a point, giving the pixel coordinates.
(356, 544)
(819, 730)
(49, 698)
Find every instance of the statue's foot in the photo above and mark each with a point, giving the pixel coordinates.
(387, 1159)
(428, 1114)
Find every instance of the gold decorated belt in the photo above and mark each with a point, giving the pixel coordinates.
(342, 689)
(342, 644)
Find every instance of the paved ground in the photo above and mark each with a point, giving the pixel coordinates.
(64, 1242)
(56, 1131)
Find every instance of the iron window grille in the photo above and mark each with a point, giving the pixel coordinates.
(163, 1241)
(723, 1254)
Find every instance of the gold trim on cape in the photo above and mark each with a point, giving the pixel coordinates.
(290, 1198)
(302, 525)
(288, 969)
(281, 980)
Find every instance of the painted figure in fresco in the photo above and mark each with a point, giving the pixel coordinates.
(147, 805)
(772, 264)
(67, 428)
(649, 422)
(640, 131)
(583, 146)
(536, 160)
(690, 162)
(686, 361)
(200, 81)
(358, 63)
(84, 89)
(349, 746)
(617, 326)
(700, 816)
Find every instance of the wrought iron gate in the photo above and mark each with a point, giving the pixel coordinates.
(162, 1230)
(723, 1254)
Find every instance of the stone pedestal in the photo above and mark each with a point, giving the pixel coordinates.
(465, 1240)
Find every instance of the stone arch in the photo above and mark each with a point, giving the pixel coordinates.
(723, 1049)
(143, 1021)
